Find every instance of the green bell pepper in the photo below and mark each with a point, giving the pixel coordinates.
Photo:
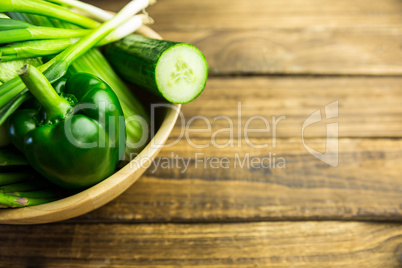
(74, 139)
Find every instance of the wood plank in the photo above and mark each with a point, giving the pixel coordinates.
(182, 15)
(286, 37)
(279, 244)
(365, 185)
(367, 107)
(225, 185)
(316, 50)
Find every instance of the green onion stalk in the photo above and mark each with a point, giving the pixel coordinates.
(20, 31)
(47, 9)
(95, 12)
(45, 47)
(31, 32)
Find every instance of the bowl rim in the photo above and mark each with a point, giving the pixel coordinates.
(96, 196)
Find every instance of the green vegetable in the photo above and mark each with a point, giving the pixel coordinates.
(4, 140)
(80, 134)
(47, 9)
(50, 192)
(25, 186)
(15, 201)
(93, 62)
(45, 47)
(9, 24)
(14, 177)
(55, 68)
(174, 71)
(10, 88)
(15, 30)
(8, 70)
(10, 157)
(32, 49)
(36, 191)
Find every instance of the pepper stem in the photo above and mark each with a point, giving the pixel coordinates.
(54, 106)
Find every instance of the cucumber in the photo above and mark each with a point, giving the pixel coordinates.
(175, 71)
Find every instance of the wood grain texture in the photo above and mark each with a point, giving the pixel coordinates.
(274, 244)
(182, 15)
(285, 37)
(236, 216)
(365, 186)
(367, 107)
(221, 183)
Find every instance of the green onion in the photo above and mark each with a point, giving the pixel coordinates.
(32, 49)
(47, 9)
(10, 24)
(97, 13)
(57, 66)
(10, 90)
(127, 28)
(35, 33)
(38, 48)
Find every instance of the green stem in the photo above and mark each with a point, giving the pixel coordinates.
(94, 11)
(45, 193)
(12, 201)
(10, 90)
(33, 185)
(53, 105)
(36, 33)
(31, 49)
(14, 177)
(57, 66)
(46, 9)
(89, 41)
(11, 24)
(13, 104)
(38, 48)
(5, 58)
(10, 157)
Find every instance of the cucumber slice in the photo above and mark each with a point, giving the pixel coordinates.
(172, 70)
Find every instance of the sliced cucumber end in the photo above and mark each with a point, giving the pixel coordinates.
(181, 73)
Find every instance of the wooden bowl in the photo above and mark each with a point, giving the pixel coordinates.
(103, 192)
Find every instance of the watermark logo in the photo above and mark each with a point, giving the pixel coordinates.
(331, 154)
(256, 134)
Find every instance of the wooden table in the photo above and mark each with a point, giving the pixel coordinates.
(268, 58)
